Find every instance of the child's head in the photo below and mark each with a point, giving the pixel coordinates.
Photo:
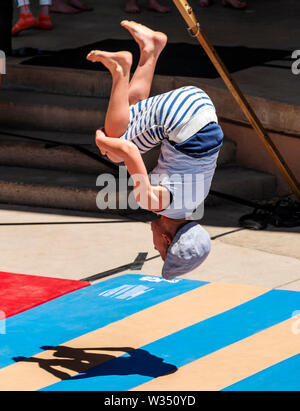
(164, 230)
(182, 244)
(162, 235)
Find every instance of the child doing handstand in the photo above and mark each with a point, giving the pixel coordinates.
(184, 122)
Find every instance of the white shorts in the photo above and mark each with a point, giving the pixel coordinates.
(187, 179)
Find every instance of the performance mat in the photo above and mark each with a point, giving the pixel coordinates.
(144, 333)
(177, 59)
(20, 292)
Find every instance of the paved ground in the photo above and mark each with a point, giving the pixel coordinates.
(267, 24)
(267, 258)
(77, 250)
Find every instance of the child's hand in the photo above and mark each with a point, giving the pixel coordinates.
(103, 143)
(100, 141)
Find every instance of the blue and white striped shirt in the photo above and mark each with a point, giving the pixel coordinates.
(176, 115)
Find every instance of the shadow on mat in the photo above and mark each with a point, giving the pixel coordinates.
(91, 364)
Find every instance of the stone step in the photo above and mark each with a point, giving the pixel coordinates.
(61, 118)
(85, 83)
(66, 106)
(30, 152)
(58, 80)
(242, 182)
(98, 84)
(59, 151)
(78, 191)
(45, 111)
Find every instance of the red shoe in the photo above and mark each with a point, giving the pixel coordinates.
(43, 21)
(26, 21)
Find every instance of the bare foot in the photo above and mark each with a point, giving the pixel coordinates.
(155, 6)
(118, 62)
(132, 7)
(59, 6)
(149, 41)
(79, 5)
(204, 3)
(236, 4)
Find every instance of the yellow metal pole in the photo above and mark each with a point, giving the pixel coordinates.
(194, 26)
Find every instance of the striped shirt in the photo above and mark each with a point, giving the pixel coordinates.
(176, 115)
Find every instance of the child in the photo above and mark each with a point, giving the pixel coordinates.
(26, 19)
(185, 123)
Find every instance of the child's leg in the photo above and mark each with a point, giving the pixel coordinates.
(119, 65)
(151, 44)
(156, 6)
(43, 20)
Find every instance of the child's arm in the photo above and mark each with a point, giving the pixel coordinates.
(153, 198)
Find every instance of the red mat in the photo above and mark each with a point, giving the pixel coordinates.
(19, 292)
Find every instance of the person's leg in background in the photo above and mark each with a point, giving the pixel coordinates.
(133, 7)
(236, 4)
(69, 7)
(2, 66)
(26, 19)
(43, 21)
(6, 15)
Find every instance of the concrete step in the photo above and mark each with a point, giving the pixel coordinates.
(62, 155)
(67, 105)
(78, 191)
(44, 111)
(48, 188)
(58, 80)
(98, 84)
(62, 118)
(244, 183)
(85, 83)
(60, 151)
